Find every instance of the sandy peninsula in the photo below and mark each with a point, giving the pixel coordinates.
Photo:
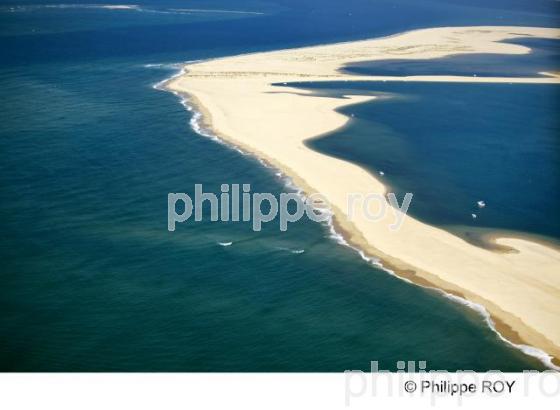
(520, 289)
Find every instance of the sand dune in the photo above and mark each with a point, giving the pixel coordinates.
(521, 290)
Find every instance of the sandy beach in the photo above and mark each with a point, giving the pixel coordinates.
(520, 290)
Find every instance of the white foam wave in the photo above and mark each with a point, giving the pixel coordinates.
(225, 243)
(34, 7)
(339, 238)
(545, 358)
(165, 66)
(122, 7)
(217, 11)
(195, 121)
(109, 7)
(117, 7)
(294, 251)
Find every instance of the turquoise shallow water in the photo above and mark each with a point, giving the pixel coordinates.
(92, 280)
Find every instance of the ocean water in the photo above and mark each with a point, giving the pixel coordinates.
(91, 280)
(543, 58)
(460, 144)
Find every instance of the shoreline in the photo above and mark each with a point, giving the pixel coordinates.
(505, 332)
(508, 326)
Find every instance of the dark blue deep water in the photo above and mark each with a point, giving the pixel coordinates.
(459, 144)
(90, 278)
(543, 58)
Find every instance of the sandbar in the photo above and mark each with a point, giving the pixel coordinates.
(241, 104)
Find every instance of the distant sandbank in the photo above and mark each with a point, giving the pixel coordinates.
(520, 290)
